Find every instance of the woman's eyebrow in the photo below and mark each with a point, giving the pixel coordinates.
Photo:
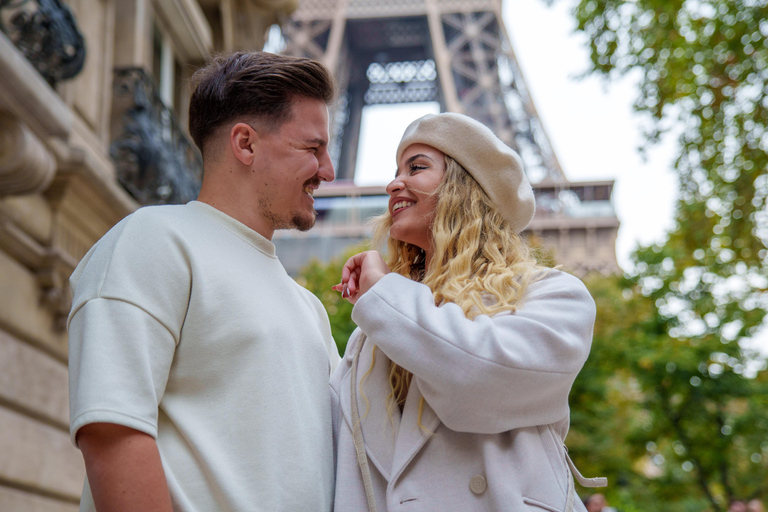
(410, 161)
(414, 157)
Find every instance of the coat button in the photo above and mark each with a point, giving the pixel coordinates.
(477, 484)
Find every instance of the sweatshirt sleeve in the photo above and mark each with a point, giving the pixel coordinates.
(120, 358)
(130, 298)
(490, 374)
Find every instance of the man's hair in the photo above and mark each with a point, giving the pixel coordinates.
(255, 86)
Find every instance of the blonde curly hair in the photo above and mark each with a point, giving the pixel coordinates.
(478, 262)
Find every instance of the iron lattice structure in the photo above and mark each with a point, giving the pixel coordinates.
(458, 53)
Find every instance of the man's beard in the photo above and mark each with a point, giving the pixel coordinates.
(303, 222)
(300, 221)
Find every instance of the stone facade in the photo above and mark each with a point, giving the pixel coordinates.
(60, 190)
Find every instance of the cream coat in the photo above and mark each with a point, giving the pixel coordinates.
(496, 392)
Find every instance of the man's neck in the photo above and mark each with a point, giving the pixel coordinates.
(232, 204)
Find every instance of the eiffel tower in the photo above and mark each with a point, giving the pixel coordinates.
(457, 53)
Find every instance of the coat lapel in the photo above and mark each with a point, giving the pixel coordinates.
(377, 426)
(411, 438)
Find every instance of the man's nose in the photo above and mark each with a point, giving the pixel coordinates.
(326, 172)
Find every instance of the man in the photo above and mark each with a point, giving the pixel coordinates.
(198, 367)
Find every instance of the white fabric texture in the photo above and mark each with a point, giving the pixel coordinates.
(185, 326)
(496, 399)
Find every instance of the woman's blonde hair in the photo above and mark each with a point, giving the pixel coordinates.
(478, 262)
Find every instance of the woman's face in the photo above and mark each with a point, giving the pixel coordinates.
(411, 195)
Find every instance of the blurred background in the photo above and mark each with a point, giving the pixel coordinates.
(642, 125)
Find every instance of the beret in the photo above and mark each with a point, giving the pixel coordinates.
(493, 164)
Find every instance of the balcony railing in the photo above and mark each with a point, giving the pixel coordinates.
(46, 34)
(155, 160)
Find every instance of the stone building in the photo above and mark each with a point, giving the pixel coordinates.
(92, 95)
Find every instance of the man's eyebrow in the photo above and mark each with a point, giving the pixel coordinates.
(318, 141)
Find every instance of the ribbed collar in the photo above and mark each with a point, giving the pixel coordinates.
(236, 227)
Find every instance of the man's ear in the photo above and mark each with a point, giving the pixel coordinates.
(242, 142)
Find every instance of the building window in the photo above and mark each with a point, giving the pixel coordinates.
(166, 69)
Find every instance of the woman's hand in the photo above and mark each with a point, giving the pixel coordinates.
(360, 272)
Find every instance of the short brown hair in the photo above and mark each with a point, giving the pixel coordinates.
(253, 85)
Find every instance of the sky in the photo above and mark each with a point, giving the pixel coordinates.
(591, 124)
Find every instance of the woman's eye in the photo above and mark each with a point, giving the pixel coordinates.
(417, 167)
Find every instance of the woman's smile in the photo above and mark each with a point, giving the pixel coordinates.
(401, 205)
(419, 173)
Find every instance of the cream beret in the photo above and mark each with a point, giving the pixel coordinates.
(496, 167)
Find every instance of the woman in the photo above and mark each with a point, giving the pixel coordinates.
(458, 375)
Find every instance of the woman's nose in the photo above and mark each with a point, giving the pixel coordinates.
(395, 186)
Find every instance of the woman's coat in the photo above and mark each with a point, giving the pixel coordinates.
(496, 400)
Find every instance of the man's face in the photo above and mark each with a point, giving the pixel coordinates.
(291, 161)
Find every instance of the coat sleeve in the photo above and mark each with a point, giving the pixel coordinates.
(490, 374)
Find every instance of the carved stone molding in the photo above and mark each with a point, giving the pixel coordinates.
(26, 95)
(26, 165)
(51, 267)
(53, 279)
(190, 27)
(246, 22)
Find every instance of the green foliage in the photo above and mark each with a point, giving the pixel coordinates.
(604, 397)
(647, 413)
(668, 335)
(318, 278)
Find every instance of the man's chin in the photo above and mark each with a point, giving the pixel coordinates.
(303, 222)
(300, 221)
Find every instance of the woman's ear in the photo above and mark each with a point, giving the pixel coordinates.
(242, 141)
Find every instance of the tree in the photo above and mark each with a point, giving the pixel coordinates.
(703, 67)
(318, 277)
(604, 399)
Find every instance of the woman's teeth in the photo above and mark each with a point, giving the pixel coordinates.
(401, 204)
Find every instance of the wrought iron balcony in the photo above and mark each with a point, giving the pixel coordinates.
(46, 33)
(155, 160)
